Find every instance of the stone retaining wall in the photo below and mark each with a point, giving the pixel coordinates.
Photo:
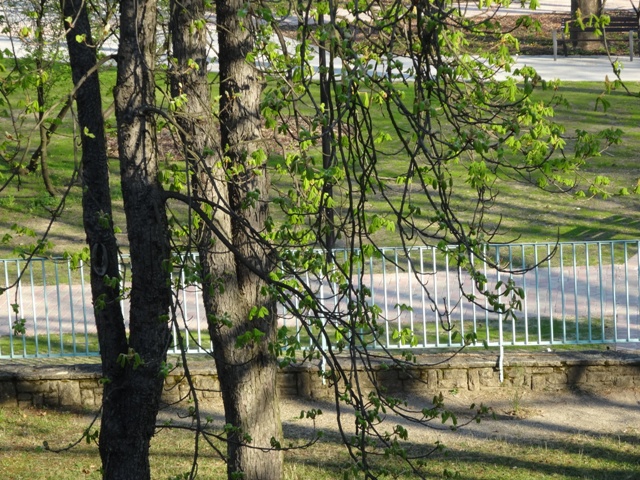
(44, 383)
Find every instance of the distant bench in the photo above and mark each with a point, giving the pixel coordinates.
(618, 24)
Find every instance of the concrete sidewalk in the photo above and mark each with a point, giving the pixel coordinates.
(576, 68)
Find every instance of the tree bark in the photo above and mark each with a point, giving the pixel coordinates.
(96, 197)
(131, 405)
(247, 374)
(585, 40)
(44, 138)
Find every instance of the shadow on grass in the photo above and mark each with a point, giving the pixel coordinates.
(536, 445)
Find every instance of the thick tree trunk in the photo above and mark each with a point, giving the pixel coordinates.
(584, 40)
(96, 197)
(131, 403)
(247, 374)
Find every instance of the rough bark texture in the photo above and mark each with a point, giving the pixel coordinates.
(247, 375)
(131, 399)
(584, 40)
(96, 198)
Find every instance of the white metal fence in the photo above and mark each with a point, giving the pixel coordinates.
(586, 293)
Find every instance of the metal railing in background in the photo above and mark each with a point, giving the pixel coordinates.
(574, 293)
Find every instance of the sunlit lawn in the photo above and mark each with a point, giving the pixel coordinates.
(571, 456)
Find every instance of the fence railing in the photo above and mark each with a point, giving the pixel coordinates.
(574, 293)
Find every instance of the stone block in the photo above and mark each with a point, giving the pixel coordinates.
(416, 385)
(38, 386)
(51, 400)
(303, 384)
(87, 397)
(318, 389)
(538, 383)
(474, 380)
(207, 383)
(390, 380)
(624, 381)
(557, 378)
(600, 378)
(69, 392)
(288, 384)
(210, 394)
(409, 374)
(541, 370)
(88, 384)
(489, 378)
(576, 375)
(7, 393)
(169, 397)
(454, 379)
(433, 380)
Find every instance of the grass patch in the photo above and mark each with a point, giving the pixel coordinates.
(527, 214)
(55, 345)
(551, 455)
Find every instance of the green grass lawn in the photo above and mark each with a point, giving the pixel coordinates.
(527, 213)
(563, 457)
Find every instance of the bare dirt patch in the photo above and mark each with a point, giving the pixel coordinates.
(519, 417)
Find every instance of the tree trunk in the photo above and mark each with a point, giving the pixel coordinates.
(96, 197)
(247, 370)
(131, 406)
(586, 8)
(247, 375)
(44, 138)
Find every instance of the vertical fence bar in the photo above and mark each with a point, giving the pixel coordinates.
(20, 304)
(486, 301)
(514, 334)
(550, 293)
(59, 303)
(385, 295)
(601, 289)
(626, 291)
(472, 259)
(461, 300)
(526, 295)
(372, 298)
(448, 301)
(84, 307)
(422, 299)
(500, 329)
(9, 309)
(72, 315)
(575, 292)
(32, 290)
(588, 283)
(614, 297)
(46, 306)
(537, 283)
(563, 312)
(396, 269)
(196, 298)
(435, 295)
(638, 290)
(410, 274)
